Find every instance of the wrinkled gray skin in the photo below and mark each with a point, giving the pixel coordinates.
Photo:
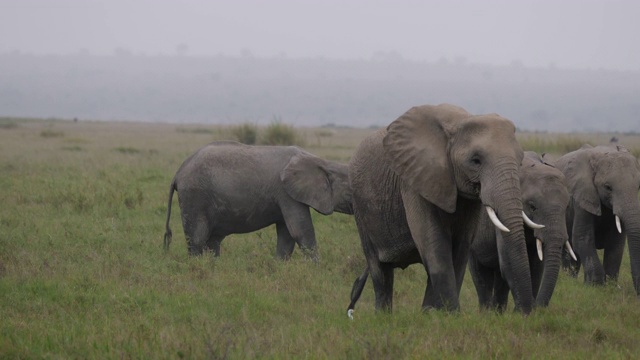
(545, 199)
(231, 188)
(419, 187)
(603, 182)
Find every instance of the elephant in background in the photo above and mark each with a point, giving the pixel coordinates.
(604, 209)
(231, 188)
(419, 187)
(544, 199)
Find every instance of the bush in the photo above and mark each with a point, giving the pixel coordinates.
(246, 133)
(278, 133)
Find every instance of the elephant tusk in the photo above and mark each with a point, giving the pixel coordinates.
(530, 223)
(570, 250)
(539, 246)
(350, 314)
(618, 224)
(495, 220)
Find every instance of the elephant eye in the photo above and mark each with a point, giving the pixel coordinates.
(475, 160)
(608, 187)
(532, 207)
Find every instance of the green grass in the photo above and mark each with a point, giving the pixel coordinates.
(83, 273)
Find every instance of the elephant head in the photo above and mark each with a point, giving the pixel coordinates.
(544, 199)
(604, 182)
(318, 183)
(444, 153)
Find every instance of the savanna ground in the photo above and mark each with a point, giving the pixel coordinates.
(83, 273)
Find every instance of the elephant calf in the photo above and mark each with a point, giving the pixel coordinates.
(544, 200)
(231, 188)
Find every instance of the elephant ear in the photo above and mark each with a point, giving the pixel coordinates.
(578, 171)
(306, 181)
(416, 144)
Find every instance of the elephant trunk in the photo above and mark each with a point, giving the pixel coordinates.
(505, 198)
(554, 235)
(554, 241)
(631, 226)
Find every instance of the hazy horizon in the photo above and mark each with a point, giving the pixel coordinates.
(566, 34)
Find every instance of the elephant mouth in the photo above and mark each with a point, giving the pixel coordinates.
(471, 191)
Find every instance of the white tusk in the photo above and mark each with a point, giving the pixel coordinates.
(530, 223)
(539, 246)
(495, 220)
(570, 250)
(618, 224)
(350, 314)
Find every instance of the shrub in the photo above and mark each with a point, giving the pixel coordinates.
(246, 133)
(278, 133)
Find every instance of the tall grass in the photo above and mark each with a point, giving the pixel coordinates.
(246, 133)
(555, 145)
(83, 273)
(279, 133)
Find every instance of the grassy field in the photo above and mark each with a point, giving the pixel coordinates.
(83, 273)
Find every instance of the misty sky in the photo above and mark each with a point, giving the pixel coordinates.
(565, 33)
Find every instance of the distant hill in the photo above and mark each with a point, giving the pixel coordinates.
(311, 92)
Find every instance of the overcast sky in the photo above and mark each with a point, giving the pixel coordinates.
(566, 33)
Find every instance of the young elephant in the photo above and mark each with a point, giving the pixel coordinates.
(231, 188)
(544, 201)
(603, 182)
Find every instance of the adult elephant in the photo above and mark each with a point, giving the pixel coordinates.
(419, 187)
(231, 188)
(545, 199)
(603, 182)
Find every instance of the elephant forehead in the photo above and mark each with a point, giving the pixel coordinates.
(491, 123)
(540, 173)
(547, 189)
(491, 136)
(617, 164)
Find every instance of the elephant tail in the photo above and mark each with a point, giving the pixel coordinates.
(168, 235)
(356, 291)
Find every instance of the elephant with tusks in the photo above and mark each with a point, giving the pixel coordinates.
(604, 210)
(419, 187)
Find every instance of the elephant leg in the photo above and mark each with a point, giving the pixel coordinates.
(483, 280)
(585, 247)
(613, 250)
(382, 279)
(435, 246)
(286, 242)
(214, 244)
(300, 227)
(196, 233)
(572, 267)
(500, 293)
(460, 260)
(441, 291)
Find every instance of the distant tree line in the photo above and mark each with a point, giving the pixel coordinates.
(311, 92)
